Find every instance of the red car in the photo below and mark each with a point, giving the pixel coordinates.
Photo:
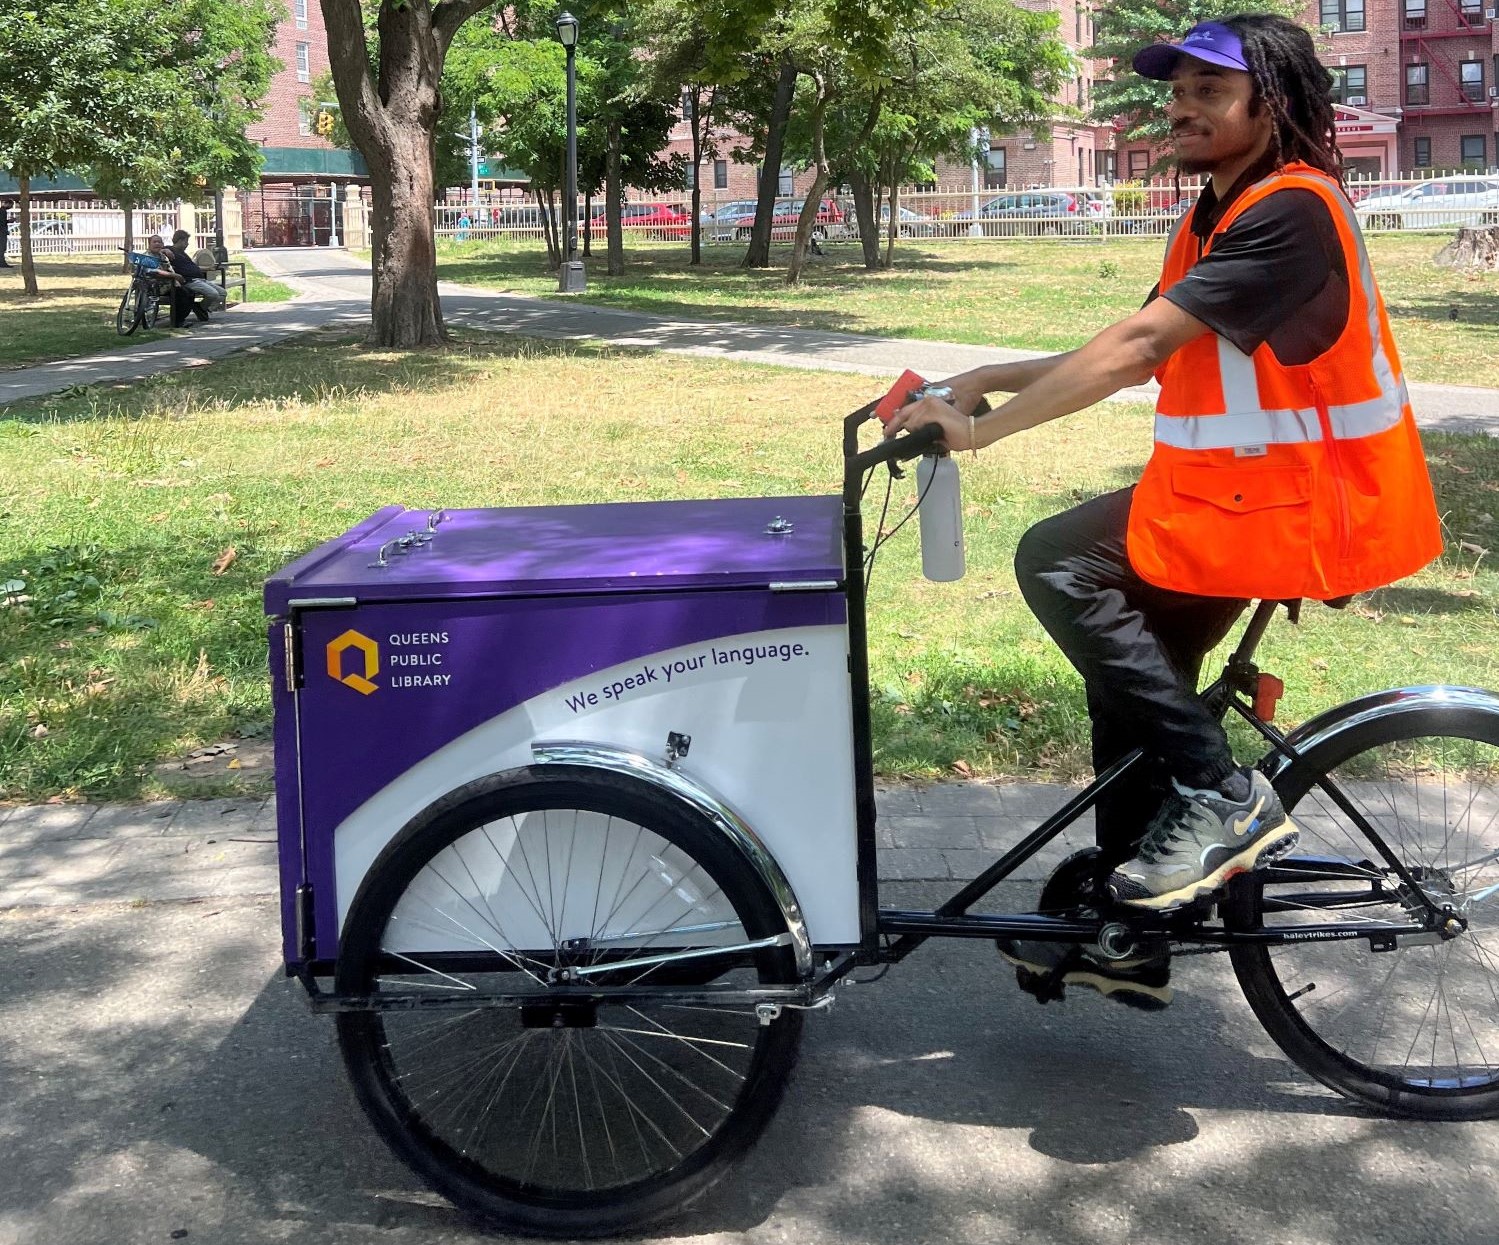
(656, 220)
(783, 224)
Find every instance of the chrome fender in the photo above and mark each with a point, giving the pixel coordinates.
(1333, 722)
(717, 810)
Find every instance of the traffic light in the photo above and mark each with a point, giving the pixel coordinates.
(324, 123)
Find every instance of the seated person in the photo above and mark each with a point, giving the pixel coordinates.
(183, 299)
(208, 293)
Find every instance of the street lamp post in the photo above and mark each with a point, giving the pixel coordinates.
(571, 279)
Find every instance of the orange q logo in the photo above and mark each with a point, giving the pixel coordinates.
(365, 645)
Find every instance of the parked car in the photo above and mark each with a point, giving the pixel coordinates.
(656, 221)
(1034, 213)
(1435, 204)
(830, 221)
(725, 220)
(913, 224)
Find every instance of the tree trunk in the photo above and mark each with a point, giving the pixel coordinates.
(821, 176)
(129, 212)
(696, 256)
(404, 309)
(864, 213)
(547, 210)
(758, 254)
(23, 217)
(613, 196)
(391, 111)
(587, 224)
(894, 230)
(1473, 250)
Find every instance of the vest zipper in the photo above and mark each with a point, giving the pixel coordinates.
(1335, 461)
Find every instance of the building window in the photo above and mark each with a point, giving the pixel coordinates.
(304, 117)
(1474, 150)
(304, 62)
(1470, 74)
(689, 176)
(1416, 91)
(1415, 14)
(786, 185)
(687, 104)
(1139, 164)
(720, 175)
(1350, 84)
(1421, 153)
(1109, 161)
(1471, 13)
(1343, 15)
(995, 172)
(300, 9)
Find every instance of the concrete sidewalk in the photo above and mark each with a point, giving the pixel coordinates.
(334, 287)
(59, 855)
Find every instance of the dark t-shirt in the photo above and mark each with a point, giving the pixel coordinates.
(184, 267)
(1276, 275)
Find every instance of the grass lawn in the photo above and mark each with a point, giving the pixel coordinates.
(74, 313)
(1035, 294)
(142, 522)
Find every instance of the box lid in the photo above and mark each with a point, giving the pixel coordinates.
(608, 547)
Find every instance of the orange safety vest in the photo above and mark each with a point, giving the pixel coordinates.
(1279, 481)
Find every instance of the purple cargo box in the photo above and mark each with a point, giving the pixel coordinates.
(526, 600)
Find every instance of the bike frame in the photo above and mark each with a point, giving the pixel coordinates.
(890, 935)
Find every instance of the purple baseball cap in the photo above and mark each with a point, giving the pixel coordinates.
(1212, 42)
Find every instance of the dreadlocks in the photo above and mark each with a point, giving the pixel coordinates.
(1293, 84)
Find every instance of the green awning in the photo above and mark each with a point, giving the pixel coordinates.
(311, 162)
(65, 183)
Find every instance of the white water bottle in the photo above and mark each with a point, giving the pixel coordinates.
(941, 517)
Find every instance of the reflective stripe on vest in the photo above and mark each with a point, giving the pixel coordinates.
(1284, 480)
(1244, 423)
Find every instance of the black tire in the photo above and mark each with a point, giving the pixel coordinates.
(1348, 1015)
(151, 308)
(128, 316)
(454, 1092)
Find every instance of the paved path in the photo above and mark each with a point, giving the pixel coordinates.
(335, 288)
(59, 854)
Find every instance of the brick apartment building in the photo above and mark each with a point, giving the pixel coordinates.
(1431, 66)
(304, 177)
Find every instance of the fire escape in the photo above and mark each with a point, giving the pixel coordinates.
(1473, 20)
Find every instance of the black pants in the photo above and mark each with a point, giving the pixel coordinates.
(1139, 649)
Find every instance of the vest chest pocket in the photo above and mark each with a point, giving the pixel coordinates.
(1239, 490)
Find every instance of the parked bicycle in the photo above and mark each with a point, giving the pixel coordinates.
(570, 971)
(140, 305)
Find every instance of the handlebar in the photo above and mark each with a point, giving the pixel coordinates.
(895, 449)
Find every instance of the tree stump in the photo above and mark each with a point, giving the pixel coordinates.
(1473, 250)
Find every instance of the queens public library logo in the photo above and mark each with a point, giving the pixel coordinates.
(362, 644)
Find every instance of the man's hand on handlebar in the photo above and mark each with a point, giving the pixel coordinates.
(956, 426)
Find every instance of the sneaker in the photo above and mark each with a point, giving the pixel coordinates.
(201, 313)
(1140, 981)
(1200, 839)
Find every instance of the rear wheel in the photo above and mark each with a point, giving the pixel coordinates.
(1413, 1029)
(553, 1113)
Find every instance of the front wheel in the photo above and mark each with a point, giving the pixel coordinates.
(128, 316)
(1411, 1027)
(549, 1113)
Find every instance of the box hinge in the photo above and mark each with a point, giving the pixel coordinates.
(291, 656)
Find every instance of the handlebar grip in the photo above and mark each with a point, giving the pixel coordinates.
(896, 448)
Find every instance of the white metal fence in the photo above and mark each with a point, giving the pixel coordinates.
(88, 228)
(1122, 209)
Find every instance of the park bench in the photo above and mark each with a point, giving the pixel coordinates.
(231, 274)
